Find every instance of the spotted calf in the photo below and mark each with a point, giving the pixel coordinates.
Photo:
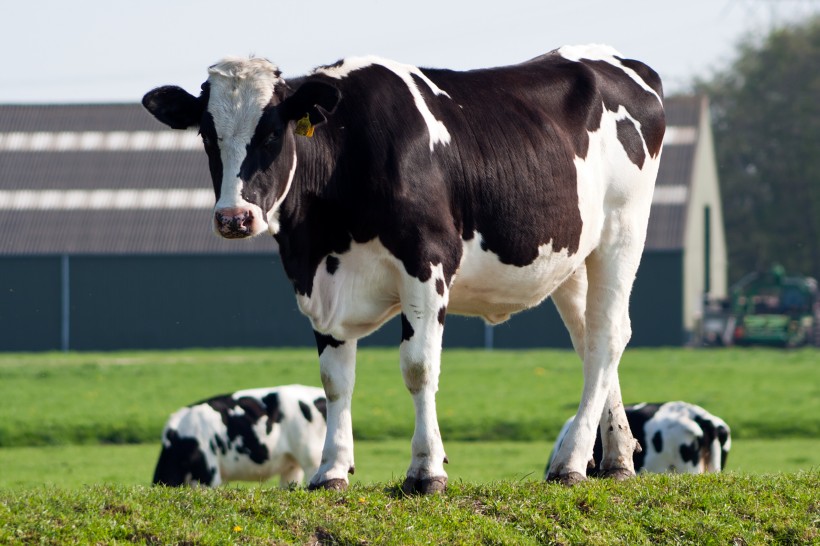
(250, 435)
(675, 436)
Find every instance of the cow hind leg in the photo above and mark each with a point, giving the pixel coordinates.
(610, 274)
(423, 310)
(337, 361)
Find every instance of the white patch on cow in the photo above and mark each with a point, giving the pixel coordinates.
(608, 54)
(240, 89)
(485, 287)
(361, 295)
(438, 132)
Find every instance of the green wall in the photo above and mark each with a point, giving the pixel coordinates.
(163, 302)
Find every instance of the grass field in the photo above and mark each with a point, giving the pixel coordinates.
(98, 416)
(79, 436)
(74, 466)
(720, 509)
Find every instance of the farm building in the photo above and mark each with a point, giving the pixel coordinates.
(107, 244)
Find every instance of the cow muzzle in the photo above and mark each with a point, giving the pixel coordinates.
(236, 223)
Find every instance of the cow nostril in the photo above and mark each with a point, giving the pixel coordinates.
(236, 222)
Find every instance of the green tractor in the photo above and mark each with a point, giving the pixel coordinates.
(774, 309)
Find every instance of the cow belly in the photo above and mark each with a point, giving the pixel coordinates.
(487, 288)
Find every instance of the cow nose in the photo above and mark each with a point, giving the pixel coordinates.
(234, 223)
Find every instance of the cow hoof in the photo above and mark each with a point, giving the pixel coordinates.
(568, 479)
(425, 486)
(335, 484)
(617, 474)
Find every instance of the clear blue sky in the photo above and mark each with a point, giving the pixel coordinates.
(116, 50)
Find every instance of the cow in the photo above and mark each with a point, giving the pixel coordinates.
(394, 190)
(675, 437)
(249, 435)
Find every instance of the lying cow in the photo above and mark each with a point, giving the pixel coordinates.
(676, 437)
(249, 435)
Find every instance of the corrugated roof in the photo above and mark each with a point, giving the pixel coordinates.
(126, 166)
(667, 221)
(117, 152)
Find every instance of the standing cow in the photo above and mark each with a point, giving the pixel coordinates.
(249, 435)
(675, 437)
(423, 192)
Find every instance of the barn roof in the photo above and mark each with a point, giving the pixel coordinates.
(104, 179)
(108, 179)
(667, 221)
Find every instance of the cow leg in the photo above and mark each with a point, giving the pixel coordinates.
(618, 450)
(292, 476)
(610, 275)
(571, 300)
(337, 362)
(424, 305)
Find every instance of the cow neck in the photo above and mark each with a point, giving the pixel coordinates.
(313, 222)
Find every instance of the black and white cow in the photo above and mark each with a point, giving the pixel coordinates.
(425, 192)
(675, 436)
(249, 435)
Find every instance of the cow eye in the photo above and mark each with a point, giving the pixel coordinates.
(272, 138)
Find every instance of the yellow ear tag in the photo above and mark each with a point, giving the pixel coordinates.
(303, 127)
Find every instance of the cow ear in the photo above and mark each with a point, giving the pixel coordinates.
(312, 99)
(174, 106)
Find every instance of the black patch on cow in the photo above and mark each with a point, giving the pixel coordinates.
(631, 141)
(240, 424)
(440, 287)
(637, 416)
(180, 458)
(323, 341)
(406, 328)
(690, 453)
(723, 437)
(273, 410)
(442, 314)
(657, 441)
(305, 409)
(620, 90)
(218, 444)
(332, 264)
(321, 405)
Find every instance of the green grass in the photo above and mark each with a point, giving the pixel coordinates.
(79, 437)
(86, 398)
(73, 466)
(661, 509)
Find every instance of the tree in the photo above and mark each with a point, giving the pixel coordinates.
(766, 122)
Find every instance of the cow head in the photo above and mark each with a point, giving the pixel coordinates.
(244, 114)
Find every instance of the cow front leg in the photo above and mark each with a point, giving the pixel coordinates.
(337, 362)
(424, 305)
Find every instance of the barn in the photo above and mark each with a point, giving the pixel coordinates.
(107, 244)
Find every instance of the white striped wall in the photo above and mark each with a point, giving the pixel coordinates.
(100, 141)
(170, 140)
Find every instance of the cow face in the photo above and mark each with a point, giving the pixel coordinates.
(244, 114)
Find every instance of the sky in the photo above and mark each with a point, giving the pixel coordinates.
(70, 51)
